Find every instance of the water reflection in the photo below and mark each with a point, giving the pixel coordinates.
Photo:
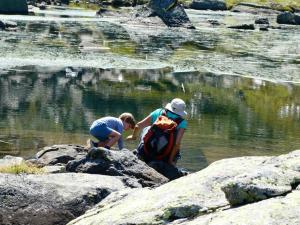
(228, 116)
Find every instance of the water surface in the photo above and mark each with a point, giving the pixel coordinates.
(62, 69)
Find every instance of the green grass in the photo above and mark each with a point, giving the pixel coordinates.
(22, 168)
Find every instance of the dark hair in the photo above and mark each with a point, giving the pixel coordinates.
(128, 118)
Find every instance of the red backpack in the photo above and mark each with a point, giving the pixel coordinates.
(160, 138)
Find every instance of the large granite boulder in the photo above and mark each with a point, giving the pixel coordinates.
(208, 4)
(53, 198)
(170, 12)
(13, 7)
(116, 163)
(186, 197)
(199, 198)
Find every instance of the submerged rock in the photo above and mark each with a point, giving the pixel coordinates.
(288, 18)
(13, 7)
(208, 4)
(243, 27)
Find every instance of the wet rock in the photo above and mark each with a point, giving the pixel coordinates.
(170, 12)
(2, 25)
(288, 18)
(243, 27)
(262, 21)
(42, 6)
(264, 28)
(116, 163)
(13, 7)
(52, 198)
(208, 4)
(214, 22)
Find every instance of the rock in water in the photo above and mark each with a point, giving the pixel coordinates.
(169, 11)
(208, 5)
(13, 7)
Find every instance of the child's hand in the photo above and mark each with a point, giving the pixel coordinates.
(130, 138)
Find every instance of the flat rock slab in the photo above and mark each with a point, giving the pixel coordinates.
(185, 197)
(52, 198)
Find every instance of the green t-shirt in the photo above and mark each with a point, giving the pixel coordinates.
(156, 113)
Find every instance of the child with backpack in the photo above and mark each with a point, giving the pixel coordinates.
(163, 130)
(108, 130)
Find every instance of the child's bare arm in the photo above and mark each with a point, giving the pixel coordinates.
(176, 146)
(139, 126)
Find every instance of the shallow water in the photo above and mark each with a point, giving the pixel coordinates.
(52, 87)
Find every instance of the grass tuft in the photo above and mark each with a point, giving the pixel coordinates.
(22, 168)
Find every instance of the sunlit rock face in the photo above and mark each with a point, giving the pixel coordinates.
(13, 7)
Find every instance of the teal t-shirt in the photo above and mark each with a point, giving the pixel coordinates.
(155, 114)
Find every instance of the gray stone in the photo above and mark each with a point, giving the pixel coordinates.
(262, 21)
(13, 7)
(11, 161)
(276, 211)
(59, 154)
(170, 12)
(208, 4)
(52, 198)
(116, 163)
(198, 198)
(186, 197)
(243, 27)
(54, 169)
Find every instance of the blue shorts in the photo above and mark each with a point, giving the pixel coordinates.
(101, 131)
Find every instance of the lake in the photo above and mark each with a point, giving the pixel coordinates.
(63, 69)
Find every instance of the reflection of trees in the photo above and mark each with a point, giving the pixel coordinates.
(230, 108)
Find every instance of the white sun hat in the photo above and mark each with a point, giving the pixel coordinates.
(177, 106)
